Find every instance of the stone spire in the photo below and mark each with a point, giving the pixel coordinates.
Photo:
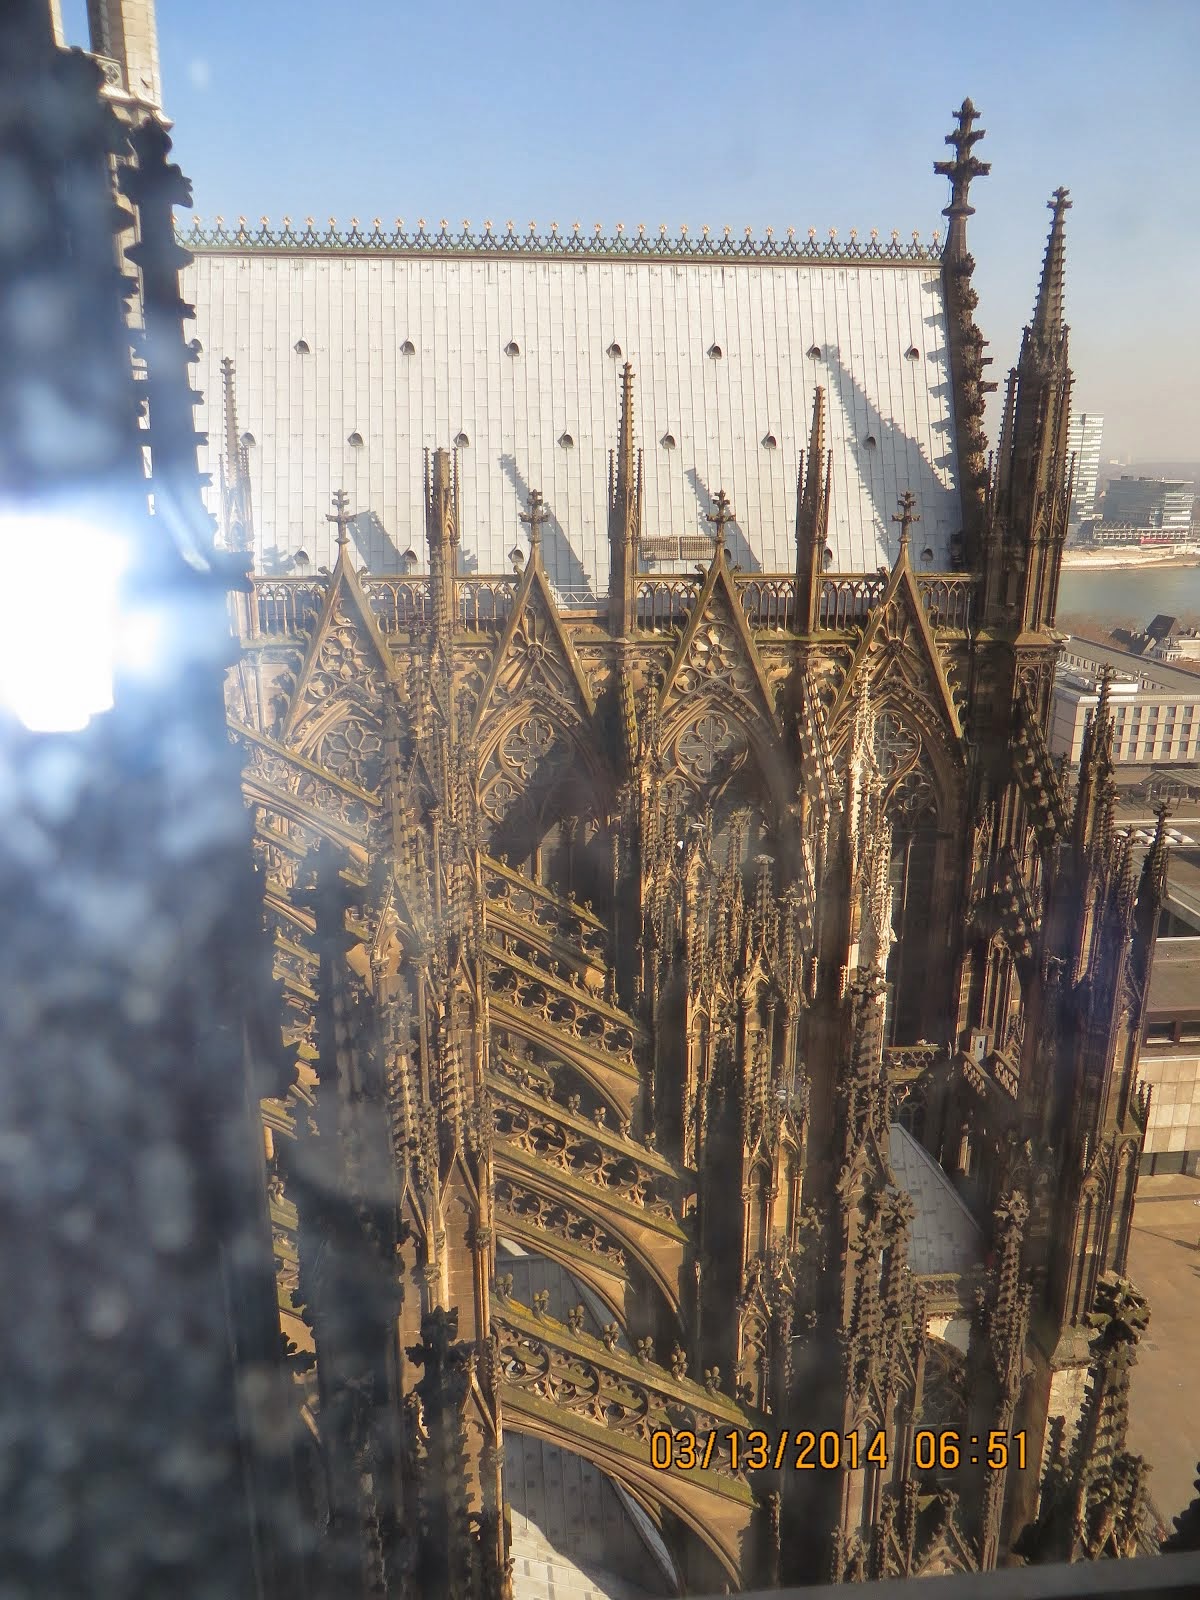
(236, 512)
(441, 530)
(1029, 507)
(1048, 312)
(1095, 795)
(968, 362)
(155, 187)
(1151, 892)
(961, 171)
(812, 519)
(624, 516)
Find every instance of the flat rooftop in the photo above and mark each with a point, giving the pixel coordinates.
(1175, 981)
(1183, 884)
(1159, 674)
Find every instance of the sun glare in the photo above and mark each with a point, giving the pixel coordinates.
(55, 680)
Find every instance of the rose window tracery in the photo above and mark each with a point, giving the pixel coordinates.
(533, 752)
(341, 661)
(716, 656)
(536, 657)
(897, 746)
(353, 750)
(913, 801)
(707, 745)
(533, 744)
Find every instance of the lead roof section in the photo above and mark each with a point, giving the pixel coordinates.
(944, 1236)
(520, 360)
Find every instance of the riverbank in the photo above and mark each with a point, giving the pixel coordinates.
(1128, 597)
(1116, 558)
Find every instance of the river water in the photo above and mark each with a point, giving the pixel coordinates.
(1129, 595)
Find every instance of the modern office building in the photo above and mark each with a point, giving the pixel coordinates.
(1083, 443)
(1170, 1056)
(1155, 707)
(1164, 503)
(1164, 638)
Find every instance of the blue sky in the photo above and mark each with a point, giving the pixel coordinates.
(812, 115)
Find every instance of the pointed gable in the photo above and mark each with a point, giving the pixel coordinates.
(717, 653)
(535, 658)
(334, 717)
(900, 657)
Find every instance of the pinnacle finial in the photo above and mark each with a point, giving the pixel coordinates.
(809, 507)
(627, 401)
(907, 516)
(534, 517)
(1106, 678)
(719, 516)
(1048, 312)
(231, 433)
(962, 171)
(816, 435)
(341, 516)
(1155, 867)
(625, 484)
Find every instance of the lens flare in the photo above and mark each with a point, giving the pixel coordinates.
(56, 679)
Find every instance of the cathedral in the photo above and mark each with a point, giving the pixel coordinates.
(710, 1152)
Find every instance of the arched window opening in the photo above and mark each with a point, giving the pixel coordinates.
(757, 1225)
(913, 812)
(541, 800)
(999, 983)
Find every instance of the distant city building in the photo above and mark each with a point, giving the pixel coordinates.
(1169, 1059)
(1164, 503)
(1083, 442)
(1125, 533)
(1155, 707)
(1164, 638)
